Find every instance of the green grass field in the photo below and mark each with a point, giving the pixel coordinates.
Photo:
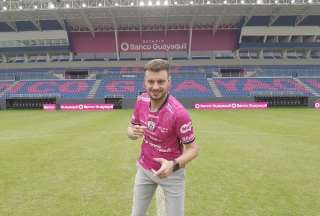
(251, 163)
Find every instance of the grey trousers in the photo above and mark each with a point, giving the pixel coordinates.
(145, 185)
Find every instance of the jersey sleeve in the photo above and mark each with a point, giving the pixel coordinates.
(184, 128)
(135, 115)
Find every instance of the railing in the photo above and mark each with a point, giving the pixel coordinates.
(80, 4)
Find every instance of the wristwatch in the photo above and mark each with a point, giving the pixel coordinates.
(176, 165)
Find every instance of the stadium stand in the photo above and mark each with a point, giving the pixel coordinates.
(256, 86)
(313, 83)
(63, 88)
(115, 87)
(195, 85)
(4, 85)
(182, 86)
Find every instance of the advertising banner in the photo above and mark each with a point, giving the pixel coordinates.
(86, 107)
(49, 107)
(230, 105)
(154, 41)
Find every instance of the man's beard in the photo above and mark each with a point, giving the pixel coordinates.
(156, 99)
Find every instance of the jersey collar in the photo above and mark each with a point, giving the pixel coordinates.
(162, 105)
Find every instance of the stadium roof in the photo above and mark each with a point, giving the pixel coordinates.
(131, 15)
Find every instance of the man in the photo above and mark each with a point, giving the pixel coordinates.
(168, 142)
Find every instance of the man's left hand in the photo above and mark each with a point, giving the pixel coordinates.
(165, 169)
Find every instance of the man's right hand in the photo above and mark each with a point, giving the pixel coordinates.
(136, 131)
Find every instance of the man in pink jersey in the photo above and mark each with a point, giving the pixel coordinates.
(168, 142)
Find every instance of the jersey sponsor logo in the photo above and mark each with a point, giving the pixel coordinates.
(163, 130)
(153, 145)
(158, 147)
(187, 139)
(154, 138)
(186, 127)
(167, 150)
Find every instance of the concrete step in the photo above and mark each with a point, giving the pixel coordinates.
(93, 91)
(214, 88)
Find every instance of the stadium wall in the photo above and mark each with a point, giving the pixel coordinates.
(76, 101)
(128, 103)
(153, 41)
(83, 42)
(189, 102)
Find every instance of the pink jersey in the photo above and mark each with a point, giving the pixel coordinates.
(167, 130)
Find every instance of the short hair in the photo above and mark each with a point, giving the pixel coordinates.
(157, 65)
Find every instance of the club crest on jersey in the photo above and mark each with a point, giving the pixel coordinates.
(151, 125)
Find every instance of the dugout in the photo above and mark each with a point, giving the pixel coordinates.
(283, 101)
(116, 101)
(29, 102)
